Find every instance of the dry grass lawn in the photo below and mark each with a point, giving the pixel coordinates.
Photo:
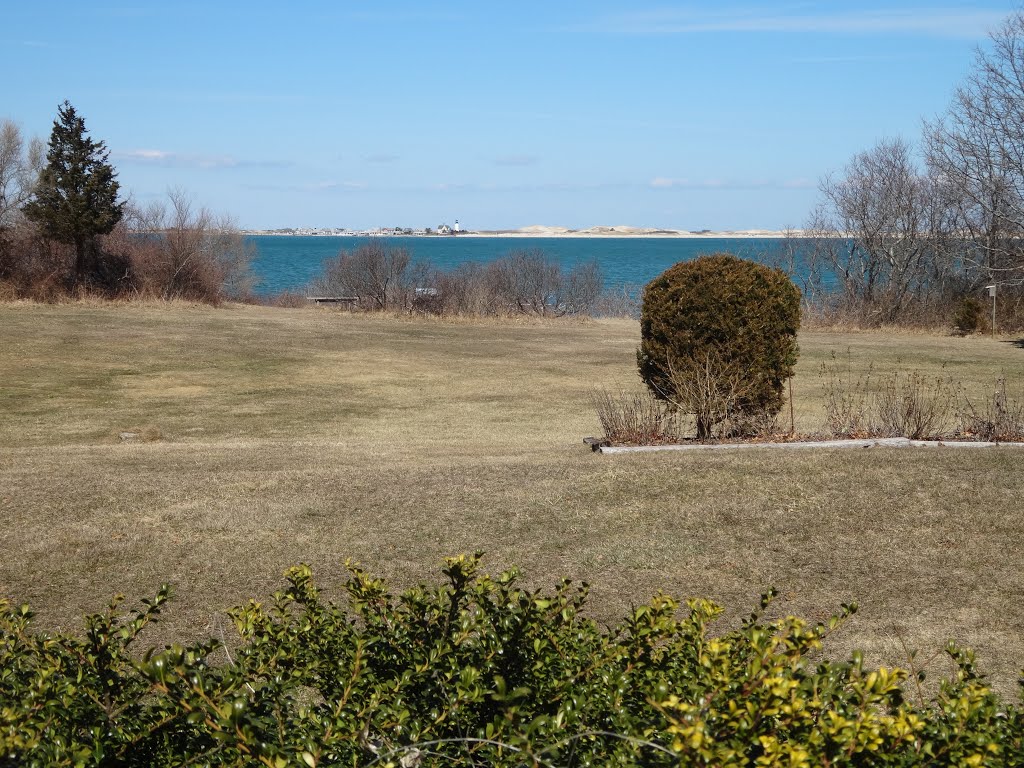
(273, 436)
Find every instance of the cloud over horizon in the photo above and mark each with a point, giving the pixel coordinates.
(190, 160)
(937, 21)
(665, 182)
(516, 161)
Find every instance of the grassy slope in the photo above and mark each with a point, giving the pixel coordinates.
(303, 435)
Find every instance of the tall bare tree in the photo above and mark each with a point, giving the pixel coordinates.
(977, 150)
(20, 164)
(883, 232)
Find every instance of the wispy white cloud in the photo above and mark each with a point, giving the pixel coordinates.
(425, 16)
(490, 186)
(854, 59)
(176, 159)
(126, 11)
(144, 154)
(800, 184)
(456, 187)
(446, 186)
(665, 182)
(191, 160)
(327, 185)
(936, 21)
(516, 160)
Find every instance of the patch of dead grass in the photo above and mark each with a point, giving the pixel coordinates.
(296, 435)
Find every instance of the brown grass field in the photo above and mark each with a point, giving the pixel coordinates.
(274, 436)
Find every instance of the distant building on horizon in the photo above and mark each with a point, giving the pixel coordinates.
(445, 229)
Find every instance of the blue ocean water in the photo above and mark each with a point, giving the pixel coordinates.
(291, 262)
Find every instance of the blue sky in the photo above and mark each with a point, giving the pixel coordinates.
(361, 114)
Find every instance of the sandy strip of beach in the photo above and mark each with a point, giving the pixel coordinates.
(626, 231)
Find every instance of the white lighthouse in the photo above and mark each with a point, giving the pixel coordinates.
(457, 228)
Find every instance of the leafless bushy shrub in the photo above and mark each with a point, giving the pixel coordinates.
(377, 273)
(639, 418)
(911, 405)
(620, 301)
(380, 276)
(847, 401)
(582, 286)
(901, 404)
(469, 290)
(710, 389)
(635, 418)
(33, 267)
(182, 252)
(286, 299)
(524, 282)
(999, 419)
(755, 425)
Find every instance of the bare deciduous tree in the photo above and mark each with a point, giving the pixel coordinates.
(527, 281)
(24, 258)
(883, 232)
(977, 149)
(19, 167)
(531, 283)
(376, 273)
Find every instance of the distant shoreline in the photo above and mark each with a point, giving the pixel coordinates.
(660, 233)
(549, 232)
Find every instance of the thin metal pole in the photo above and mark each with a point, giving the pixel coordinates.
(792, 422)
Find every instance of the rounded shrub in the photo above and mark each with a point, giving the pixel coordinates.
(718, 339)
(969, 316)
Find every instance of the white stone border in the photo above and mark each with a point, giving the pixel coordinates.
(883, 442)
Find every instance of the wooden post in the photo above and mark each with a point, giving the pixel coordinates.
(992, 293)
(993, 310)
(792, 421)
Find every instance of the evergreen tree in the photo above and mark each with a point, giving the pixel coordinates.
(718, 340)
(75, 199)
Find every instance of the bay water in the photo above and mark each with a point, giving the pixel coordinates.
(290, 262)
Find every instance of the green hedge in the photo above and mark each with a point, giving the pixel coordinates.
(477, 672)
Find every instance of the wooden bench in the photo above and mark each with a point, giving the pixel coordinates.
(333, 299)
